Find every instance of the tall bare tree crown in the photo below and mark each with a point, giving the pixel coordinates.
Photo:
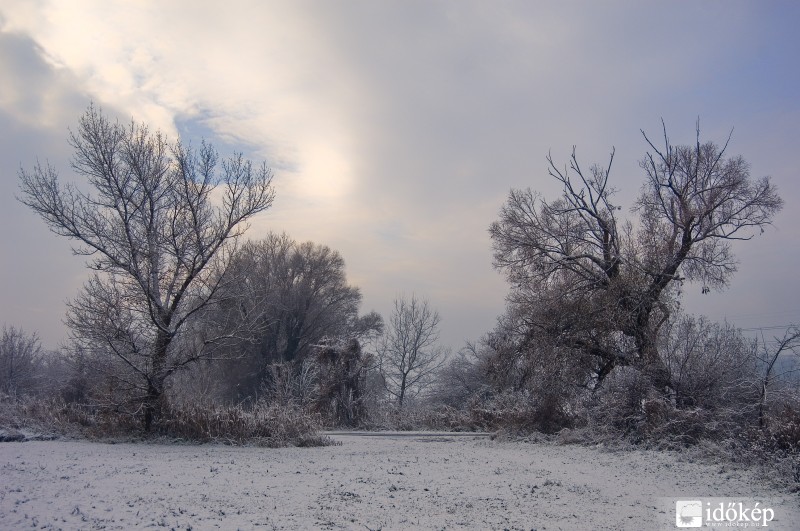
(157, 218)
(409, 355)
(601, 285)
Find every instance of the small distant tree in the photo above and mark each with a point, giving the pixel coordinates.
(789, 343)
(586, 281)
(463, 378)
(158, 222)
(20, 358)
(409, 354)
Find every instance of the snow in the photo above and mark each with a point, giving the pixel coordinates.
(398, 481)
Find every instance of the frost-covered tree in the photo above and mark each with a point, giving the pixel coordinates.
(297, 297)
(585, 280)
(409, 353)
(20, 358)
(789, 343)
(157, 221)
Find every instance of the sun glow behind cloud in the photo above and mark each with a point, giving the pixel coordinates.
(395, 129)
(253, 80)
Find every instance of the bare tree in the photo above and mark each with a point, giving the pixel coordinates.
(20, 357)
(712, 365)
(464, 377)
(158, 228)
(409, 355)
(587, 281)
(790, 342)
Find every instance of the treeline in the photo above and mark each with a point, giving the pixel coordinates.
(187, 329)
(184, 327)
(287, 338)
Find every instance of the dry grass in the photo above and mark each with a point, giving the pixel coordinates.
(263, 425)
(52, 417)
(510, 412)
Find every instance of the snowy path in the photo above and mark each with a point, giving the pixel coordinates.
(389, 482)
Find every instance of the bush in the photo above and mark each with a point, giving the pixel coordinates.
(782, 430)
(417, 416)
(629, 408)
(265, 425)
(50, 417)
(522, 412)
(515, 412)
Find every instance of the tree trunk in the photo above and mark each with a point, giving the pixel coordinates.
(154, 400)
(762, 397)
(650, 363)
(153, 405)
(402, 395)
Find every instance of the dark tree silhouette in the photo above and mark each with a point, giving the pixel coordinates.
(585, 280)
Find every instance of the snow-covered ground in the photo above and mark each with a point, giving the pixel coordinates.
(403, 482)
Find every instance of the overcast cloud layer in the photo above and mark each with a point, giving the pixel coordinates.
(396, 129)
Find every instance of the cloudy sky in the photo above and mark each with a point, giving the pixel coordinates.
(396, 128)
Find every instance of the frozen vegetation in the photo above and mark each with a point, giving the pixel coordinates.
(186, 331)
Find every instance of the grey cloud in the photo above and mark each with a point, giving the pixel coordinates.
(459, 102)
(36, 272)
(447, 105)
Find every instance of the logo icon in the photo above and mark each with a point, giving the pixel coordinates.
(688, 513)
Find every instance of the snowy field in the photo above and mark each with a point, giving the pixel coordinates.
(396, 482)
